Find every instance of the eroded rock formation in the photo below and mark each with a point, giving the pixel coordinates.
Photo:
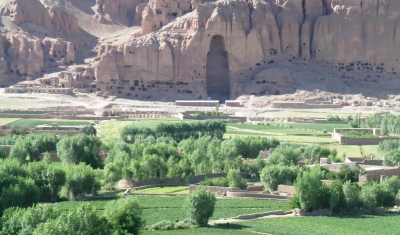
(194, 49)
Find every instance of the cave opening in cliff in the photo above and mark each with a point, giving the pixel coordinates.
(217, 70)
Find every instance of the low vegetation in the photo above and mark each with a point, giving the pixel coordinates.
(37, 122)
(357, 134)
(151, 149)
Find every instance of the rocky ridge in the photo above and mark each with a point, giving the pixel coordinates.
(175, 49)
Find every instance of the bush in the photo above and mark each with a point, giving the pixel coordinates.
(168, 225)
(124, 215)
(17, 192)
(236, 180)
(24, 221)
(273, 175)
(84, 220)
(200, 206)
(219, 181)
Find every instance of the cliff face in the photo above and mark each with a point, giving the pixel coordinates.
(223, 49)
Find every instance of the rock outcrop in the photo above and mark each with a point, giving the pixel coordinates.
(192, 49)
(52, 17)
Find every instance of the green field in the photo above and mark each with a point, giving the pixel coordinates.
(354, 150)
(319, 126)
(37, 122)
(158, 208)
(318, 225)
(271, 129)
(163, 190)
(324, 140)
(327, 225)
(315, 113)
(5, 121)
(297, 128)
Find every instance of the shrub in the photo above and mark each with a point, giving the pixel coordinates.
(84, 220)
(200, 206)
(236, 180)
(47, 158)
(168, 225)
(219, 181)
(124, 215)
(294, 202)
(24, 221)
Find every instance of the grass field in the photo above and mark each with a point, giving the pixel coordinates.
(324, 140)
(316, 113)
(5, 121)
(319, 126)
(37, 122)
(354, 150)
(163, 190)
(326, 225)
(270, 129)
(318, 225)
(158, 208)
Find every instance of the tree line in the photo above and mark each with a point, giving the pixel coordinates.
(348, 197)
(177, 130)
(163, 157)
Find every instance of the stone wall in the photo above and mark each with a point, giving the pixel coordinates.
(289, 189)
(303, 105)
(376, 175)
(358, 141)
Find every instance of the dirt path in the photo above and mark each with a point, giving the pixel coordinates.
(255, 216)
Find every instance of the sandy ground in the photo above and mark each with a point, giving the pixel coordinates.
(32, 100)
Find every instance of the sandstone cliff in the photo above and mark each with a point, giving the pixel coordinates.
(172, 49)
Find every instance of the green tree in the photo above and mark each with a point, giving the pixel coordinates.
(3, 153)
(79, 148)
(351, 193)
(21, 193)
(255, 167)
(200, 206)
(273, 175)
(12, 167)
(91, 130)
(19, 221)
(369, 196)
(284, 154)
(124, 215)
(236, 180)
(154, 166)
(337, 198)
(80, 181)
(84, 220)
(308, 185)
(47, 158)
(356, 121)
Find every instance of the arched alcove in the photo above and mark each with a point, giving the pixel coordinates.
(217, 70)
